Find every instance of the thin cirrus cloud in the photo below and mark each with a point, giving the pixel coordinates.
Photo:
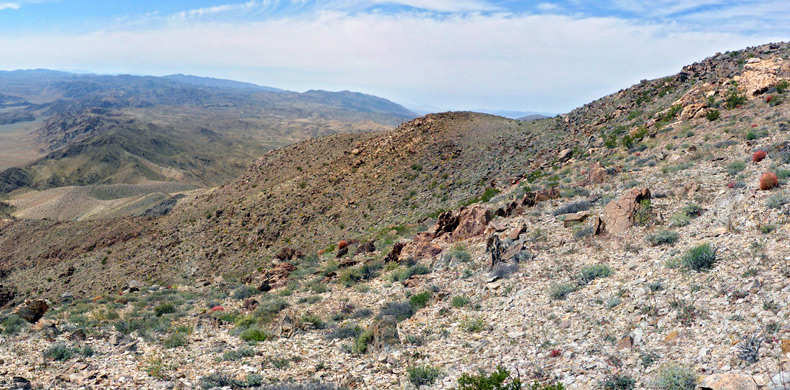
(9, 6)
(462, 54)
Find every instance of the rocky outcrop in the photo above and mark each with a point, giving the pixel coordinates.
(472, 222)
(32, 310)
(385, 334)
(271, 278)
(619, 214)
(365, 247)
(394, 254)
(289, 254)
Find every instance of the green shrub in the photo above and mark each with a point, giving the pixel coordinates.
(459, 252)
(420, 300)
(675, 377)
(700, 257)
(244, 292)
(362, 341)
(618, 382)
(663, 237)
(644, 213)
(559, 291)
(237, 354)
(712, 115)
(460, 301)
(500, 379)
(679, 219)
(588, 273)
(693, 210)
(253, 335)
(13, 324)
(176, 339)
(59, 352)
(164, 308)
(734, 99)
(735, 168)
(777, 200)
(399, 310)
(473, 324)
(422, 375)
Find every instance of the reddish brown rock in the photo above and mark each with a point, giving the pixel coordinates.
(385, 334)
(571, 219)
(423, 247)
(394, 254)
(250, 304)
(596, 175)
(472, 222)
(625, 343)
(287, 254)
(619, 214)
(598, 225)
(446, 223)
(519, 230)
(31, 310)
(365, 247)
(275, 277)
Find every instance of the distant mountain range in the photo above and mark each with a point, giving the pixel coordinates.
(512, 114)
(84, 129)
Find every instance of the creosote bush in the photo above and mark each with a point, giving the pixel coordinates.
(500, 379)
(665, 237)
(60, 352)
(589, 273)
(423, 375)
(699, 258)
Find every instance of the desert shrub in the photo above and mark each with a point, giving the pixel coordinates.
(238, 354)
(504, 270)
(679, 219)
(712, 115)
(573, 207)
(422, 375)
(302, 386)
(663, 237)
(60, 352)
(559, 291)
(460, 301)
(220, 380)
(268, 309)
(362, 313)
(176, 339)
(314, 319)
(253, 335)
(362, 341)
(675, 377)
(473, 324)
(589, 273)
(420, 300)
(348, 331)
(699, 258)
(244, 292)
(735, 167)
(500, 379)
(693, 210)
(777, 200)
(400, 310)
(644, 213)
(734, 99)
(164, 308)
(618, 382)
(12, 324)
(459, 252)
(781, 86)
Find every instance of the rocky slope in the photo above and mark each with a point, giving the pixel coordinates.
(634, 242)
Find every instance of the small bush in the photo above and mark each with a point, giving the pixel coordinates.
(164, 308)
(460, 301)
(59, 352)
(665, 237)
(176, 339)
(675, 377)
(712, 115)
(244, 292)
(749, 349)
(473, 324)
(504, 270)
(400, 310)
(679, 219)
(644, 213)
(238, 354)
(500, 379)
(776, 201)
(589, 273)
(253, 335)
(736, 168)
(422, 375)
(734, 99)
(693, 210)
(420, 300)
(344, 332)
(559, 291)
(573, 207)
(12, 324)
(700, 257)
(459, 252)
(362, 341)
(618, 382)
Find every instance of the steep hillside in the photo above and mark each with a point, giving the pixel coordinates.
(638, 242)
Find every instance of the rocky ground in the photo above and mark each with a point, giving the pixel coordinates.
(655, 262)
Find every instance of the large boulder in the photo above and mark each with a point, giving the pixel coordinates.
(472, 222)
(446, 223)
(728, 381)
(32, 310)
(273, 277)
(619, 214)
(423, 247)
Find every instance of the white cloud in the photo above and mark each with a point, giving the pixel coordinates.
(529, 62)
(9, 6)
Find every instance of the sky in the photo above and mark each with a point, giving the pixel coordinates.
(543, 56)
